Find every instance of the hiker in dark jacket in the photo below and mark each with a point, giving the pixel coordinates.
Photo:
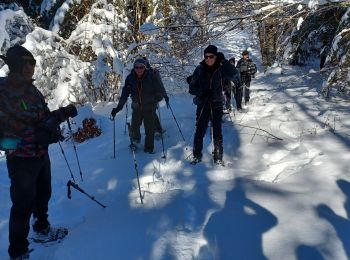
(206, 84)
(146, 89)
(25, 137)
(247, 68)
(157, 125)
(233, 85)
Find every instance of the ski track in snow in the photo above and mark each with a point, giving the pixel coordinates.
(274, 200)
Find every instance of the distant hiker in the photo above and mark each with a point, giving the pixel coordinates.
(27, 128)
(233, 85)
(247, 68)
(146, 89)
(206, 85)
(157, 125)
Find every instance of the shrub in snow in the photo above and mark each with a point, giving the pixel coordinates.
(14, 26)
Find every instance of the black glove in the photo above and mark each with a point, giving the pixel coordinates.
(220, 56)
(189, 79)
(115, 111)
(166, 98)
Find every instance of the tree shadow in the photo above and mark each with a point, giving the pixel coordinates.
(236, 231)
(340, 224)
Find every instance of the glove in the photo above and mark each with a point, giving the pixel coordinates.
(189, 79)
(166, 98)
(220, 56)
(115, 111)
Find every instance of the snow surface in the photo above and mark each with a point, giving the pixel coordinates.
(275, 199)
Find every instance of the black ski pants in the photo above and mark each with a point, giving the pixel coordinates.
(143, 114)
(238, 96)
(30, 193)
(205, 113)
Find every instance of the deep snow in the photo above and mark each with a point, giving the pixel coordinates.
(275, 199)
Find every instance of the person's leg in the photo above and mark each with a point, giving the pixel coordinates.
(247, 92)
(136, 121)
(157, 126)
(43, 195)
(23, 174)
(217, 133)
(148, 121)
(228, 99)
(238, 97)
(202, 119)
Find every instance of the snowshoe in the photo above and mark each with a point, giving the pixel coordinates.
(52, 235)
(196, 160)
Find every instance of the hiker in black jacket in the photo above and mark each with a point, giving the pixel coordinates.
(207, 85)
(146, 89)
(233, 85)
(247, 68)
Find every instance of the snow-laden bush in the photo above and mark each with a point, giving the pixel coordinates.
(59, 75)
(100, 38)
(14, 26)
(338, 60)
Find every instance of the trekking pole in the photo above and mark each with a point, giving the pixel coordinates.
(161, 134)
(75, 149)
(126, 118)
(75, 186)
(183, 138)
(114, 137)
(135, 162)
(65, 158)
(212, 134)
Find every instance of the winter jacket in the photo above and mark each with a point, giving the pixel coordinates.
(233, 82)
(145, 92)
(247, 68)
(207, 82)
(22, 108)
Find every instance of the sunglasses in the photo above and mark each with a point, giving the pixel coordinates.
(29, 60)
(209, 56)
(139, 67)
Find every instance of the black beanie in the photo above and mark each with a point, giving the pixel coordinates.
(211, 49)
(14, 59)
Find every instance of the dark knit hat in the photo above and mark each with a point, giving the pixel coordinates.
(141, 61)
(15, 58)
(245, 52)
(211, 49)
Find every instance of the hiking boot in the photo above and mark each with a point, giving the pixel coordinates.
(24, 256)
(196, 159)
(150, 151)
(219, 162)
(41, 227)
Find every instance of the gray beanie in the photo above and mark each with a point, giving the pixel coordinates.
(140, 61)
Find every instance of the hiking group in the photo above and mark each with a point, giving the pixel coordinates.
(28, 127)
(212, 83)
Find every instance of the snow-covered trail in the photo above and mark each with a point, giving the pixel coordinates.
(275, 199)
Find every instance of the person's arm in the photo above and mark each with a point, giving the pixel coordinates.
(194, 87)
(123, 98)
(159, 87)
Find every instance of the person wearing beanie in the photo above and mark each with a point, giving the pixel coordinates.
(22, 110)
(146, 89)
(247, 68)
(206, 85)
(233, 85)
